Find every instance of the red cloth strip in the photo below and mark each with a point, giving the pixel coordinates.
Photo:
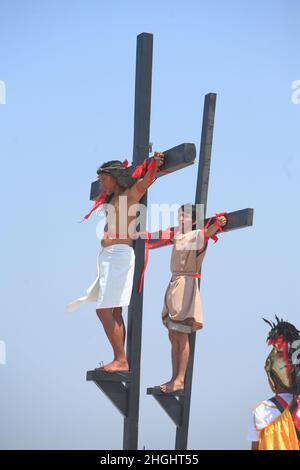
(214, 237)
(167, 239)
(161, 243)
(145, 262)
(205, 227)
(100, 200)
(141, 169)
(282, 402)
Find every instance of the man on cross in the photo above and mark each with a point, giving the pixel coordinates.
(182, 307)
(116, 260)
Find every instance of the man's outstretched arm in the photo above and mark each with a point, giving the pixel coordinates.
(136, 192)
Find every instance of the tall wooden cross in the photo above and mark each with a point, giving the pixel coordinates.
(123, 389)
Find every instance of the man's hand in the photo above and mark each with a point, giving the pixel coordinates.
(222, 220)
(159, 158)
(214, 228)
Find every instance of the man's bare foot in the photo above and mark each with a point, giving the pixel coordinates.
(164, 384)
(115, 366)
(173, 386)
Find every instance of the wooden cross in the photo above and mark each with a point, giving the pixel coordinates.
(123, 389)
(177, 406)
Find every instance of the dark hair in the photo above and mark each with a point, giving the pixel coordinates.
(189, 209)
(116, 169)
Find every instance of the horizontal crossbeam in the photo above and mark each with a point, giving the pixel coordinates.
(236, 220)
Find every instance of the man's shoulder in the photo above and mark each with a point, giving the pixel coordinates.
(264, 413)
(271, 402)
(266, 404)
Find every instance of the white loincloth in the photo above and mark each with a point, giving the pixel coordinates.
(113, 285)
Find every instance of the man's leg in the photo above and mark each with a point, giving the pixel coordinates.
(174, 353)
(117, 313)
(115, 334)
(184, 354)
(182, 357)
(175, 358)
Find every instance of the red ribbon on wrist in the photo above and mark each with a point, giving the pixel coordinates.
(141, 169)
(214, 237)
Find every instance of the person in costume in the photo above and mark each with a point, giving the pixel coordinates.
(275, 423)
(182, 309)
(116, 260)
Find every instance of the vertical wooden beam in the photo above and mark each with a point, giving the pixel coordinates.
(200, 198)
(142, 113)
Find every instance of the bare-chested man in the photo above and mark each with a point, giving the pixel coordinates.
(116, 260)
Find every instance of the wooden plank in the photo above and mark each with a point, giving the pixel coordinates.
(103, 376)
(239, 219)
(157, 391)
(142, 111)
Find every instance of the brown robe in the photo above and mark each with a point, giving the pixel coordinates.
(182, 302)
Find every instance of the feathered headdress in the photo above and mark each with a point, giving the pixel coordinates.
(286, 337)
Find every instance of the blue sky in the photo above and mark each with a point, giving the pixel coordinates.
(69, 69)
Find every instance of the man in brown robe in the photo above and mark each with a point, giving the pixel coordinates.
(182, 309)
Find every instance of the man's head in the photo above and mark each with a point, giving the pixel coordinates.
(114, 175)
(187, 215)
(282, 371)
